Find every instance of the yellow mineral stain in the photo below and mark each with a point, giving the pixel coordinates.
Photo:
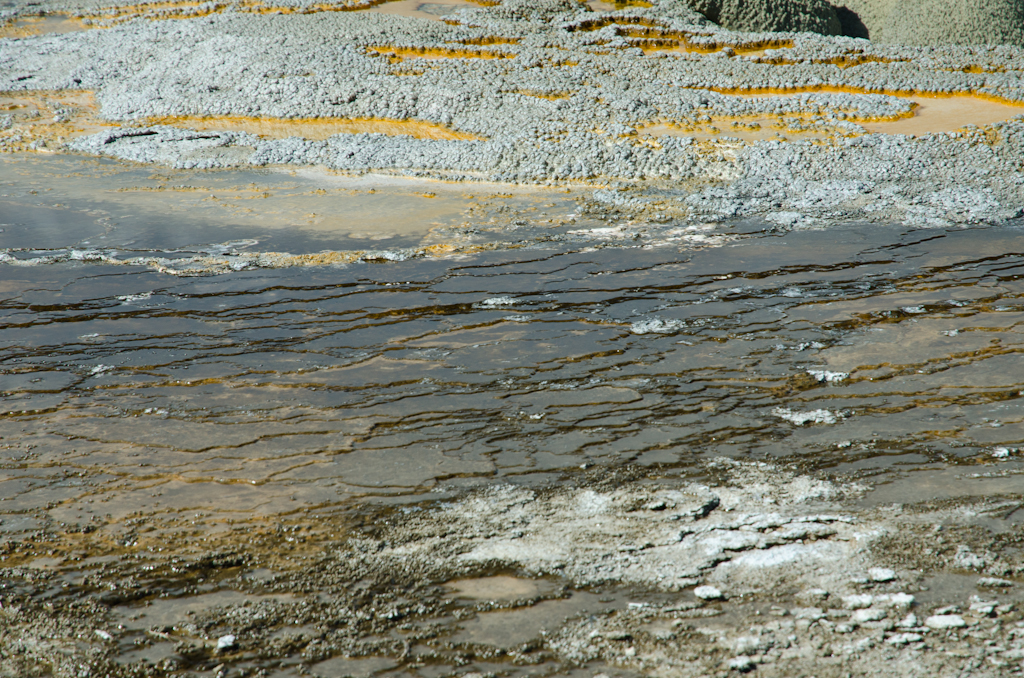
(183, 9)
(745, 128)
(651, 36)
(845, 61)
(488, 40)
(40, 25)
(164, 10)
(977, 69)
(653, 41)
(615, 5)
(432, 11)
(313, 128)
(550, 96)
(600, 22)
(947, 114)
(661, 45)
(398, 53)
(931, 114)
(33, 112)
(778, 91)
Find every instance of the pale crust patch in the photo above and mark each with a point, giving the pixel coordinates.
(313, 128)
(33, 116)
(39, 25)
(930, 114)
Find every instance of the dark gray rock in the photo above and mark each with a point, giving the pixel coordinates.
(935, 22)
(798, 16)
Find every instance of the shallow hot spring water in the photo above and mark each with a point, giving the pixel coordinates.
(172, 385)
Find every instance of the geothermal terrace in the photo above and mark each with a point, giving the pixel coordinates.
(522, 338)
(811, 126)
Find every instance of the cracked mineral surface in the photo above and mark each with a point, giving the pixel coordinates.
(468, 339)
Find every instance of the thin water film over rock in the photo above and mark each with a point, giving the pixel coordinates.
(512, 338)
(555, 440)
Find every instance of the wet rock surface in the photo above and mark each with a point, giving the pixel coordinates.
(618, 450)
(535, 338)
(620, 550)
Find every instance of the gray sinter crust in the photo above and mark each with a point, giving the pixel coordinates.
(935, 22)
(815, 16)
(317, 65)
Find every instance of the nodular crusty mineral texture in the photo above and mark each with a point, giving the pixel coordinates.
(548, 91)
(934, 22)
(816, 16)
(714, 569)
(911, 22)
(617, 571)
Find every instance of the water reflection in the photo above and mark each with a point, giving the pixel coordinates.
(56, 206)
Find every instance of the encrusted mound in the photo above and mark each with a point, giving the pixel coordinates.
(810, 16)
(913, 22)
(935, 22)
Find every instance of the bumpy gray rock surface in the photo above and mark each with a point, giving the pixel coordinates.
(567, 101)
(935, 22)
(816, 16)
